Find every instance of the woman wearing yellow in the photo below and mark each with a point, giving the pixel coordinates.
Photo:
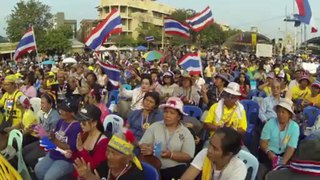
(314, 98)
(299, 94)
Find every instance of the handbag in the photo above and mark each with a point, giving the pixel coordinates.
(7, 122)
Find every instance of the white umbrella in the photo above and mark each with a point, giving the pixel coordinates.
(112, 48)
(69, 60)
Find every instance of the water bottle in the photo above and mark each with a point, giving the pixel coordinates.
(157, 149)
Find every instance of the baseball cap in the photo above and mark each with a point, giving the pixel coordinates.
(69, 105)
(88, 112)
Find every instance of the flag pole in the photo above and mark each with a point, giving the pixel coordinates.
(35, 42)
(162, 35)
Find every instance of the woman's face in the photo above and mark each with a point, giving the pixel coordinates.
(116, 159)
(304, 83)
(283, 115)
(215, 152)
(86, 126)
(145, 85)
(315, 90)
(242, 78)
(186, 83)
(45, 106)
(171, 116)
(65, 115)
(149, 103)
(154, 77)
(167, 79)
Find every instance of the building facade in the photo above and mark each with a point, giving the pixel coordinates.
(135, 12)
(86, 26)
(59, 20)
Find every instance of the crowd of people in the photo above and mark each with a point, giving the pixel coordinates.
(66, 137)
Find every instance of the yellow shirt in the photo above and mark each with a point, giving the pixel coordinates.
(314, 100)
(6, 102)
(229, 118)
(267, 90)
(297, 93)
(28, 120)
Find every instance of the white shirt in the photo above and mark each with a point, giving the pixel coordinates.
(199, 83)
(235, 169)
(136, 95)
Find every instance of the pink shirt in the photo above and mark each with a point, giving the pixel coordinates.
(104, 112)
(29, 91)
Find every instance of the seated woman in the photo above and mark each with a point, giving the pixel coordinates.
(187, 92)
(244, 86)
(55, 165)
(140, 120)
(176, 141)
(168, 86)
(279, 137)
(219, 160)
(138, 93)
(314, 98)
(92, 143)
(121, 164)
(94, 98)
(48, 120)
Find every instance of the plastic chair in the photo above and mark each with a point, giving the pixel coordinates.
(115, 121)
(18, 137)
(193, 111)
(113, 97)
(311, 113)
(7, 171)
(253, 93)
(262, 94)
(250, 161)
(36, 104)
(149, 171)
(127, 86)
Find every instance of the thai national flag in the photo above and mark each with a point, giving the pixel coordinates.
(149, 38)
(201, 20)
(111, 25)
(112, 72)
(174, 27)
(191, 62)
(305, 14)
(26, 44)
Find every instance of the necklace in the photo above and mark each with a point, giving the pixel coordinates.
(63, 132)
(144, 121)
(282, 142)
(121, 173)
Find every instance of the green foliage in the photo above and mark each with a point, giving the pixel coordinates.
(55, 42)
(147, 29)
(123, 40)
(211, 35)
(26, 13)
(67, 31)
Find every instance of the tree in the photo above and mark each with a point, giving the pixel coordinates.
(26, 13)
(67, 31)
(212, 35)
(123, 39)
(147, 29)
(55, 42)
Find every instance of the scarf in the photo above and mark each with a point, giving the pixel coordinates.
(220, 110)
(302, 167)
(207, 169)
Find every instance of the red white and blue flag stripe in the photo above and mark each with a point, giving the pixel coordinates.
(112, 72)
(191, 62)
(26, 44)
(111, 25)
(201, 20)
(305, 14)
(174, 27)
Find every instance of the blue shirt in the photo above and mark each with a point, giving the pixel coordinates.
(288, 137)
(266, 111)
(135, 121)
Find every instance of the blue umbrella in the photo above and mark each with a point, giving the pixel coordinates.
(141, 48)
(48, 62)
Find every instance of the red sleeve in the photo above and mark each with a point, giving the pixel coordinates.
(98, 155)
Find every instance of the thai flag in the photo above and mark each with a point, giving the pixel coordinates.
(174, 27)
(201, 20)
(26, 44)
(191, 62)
(149, 38)
(305, 14)
(111, 25)
(111, 71)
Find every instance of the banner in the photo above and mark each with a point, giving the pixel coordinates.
(264, 50)
(253, 38)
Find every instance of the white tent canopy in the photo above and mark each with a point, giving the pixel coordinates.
(102, 48)
(69, 60)
(112, 48)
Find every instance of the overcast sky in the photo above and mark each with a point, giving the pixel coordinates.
(267, 15)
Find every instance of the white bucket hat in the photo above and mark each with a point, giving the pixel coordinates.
(233, 88)
(287, 104)
(175, 103)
